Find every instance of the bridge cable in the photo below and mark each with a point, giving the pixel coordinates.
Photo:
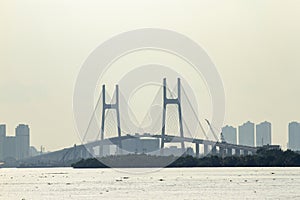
(92, 117)
(194, 112)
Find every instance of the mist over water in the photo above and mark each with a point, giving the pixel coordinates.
(171, 183)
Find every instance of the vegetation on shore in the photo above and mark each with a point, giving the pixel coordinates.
(263, 158)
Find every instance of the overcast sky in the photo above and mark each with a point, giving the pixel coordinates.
(254, 45)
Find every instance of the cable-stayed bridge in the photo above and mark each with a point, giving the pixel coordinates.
(88, 150)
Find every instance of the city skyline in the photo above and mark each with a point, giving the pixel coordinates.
(249, 133)
(261, 134)
(15, 147)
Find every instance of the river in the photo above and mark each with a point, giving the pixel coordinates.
(170, 183)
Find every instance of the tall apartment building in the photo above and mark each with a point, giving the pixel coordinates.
(2, 138)
(14, 147)
(22, 142)
(229, 134)
(263, 134)
(294, 136)
(246, 134)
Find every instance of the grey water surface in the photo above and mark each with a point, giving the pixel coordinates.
(170, 183)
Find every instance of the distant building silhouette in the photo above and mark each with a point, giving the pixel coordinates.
(263, 134)
(229, 134)
(140, 145)
(294, 136)
(246, 134)
(22, 141)
(190, 151)
(14, 147)
(271, 147)
(2, 138)
(172, 151)
(2, 130)
(10, 148)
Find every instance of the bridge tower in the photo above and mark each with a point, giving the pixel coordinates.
(115, 107)
(170, 101)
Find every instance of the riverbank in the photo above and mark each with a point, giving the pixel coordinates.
(263, 158)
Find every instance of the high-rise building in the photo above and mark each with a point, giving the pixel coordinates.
(229, 134)
(263, 134)
(10, 148)
(2, 138)
(22, 141)
(2, 130)
(246, 134)
(14, 147)
(294, 136)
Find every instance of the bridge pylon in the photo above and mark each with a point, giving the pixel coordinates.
(170, 101)
(114, 106)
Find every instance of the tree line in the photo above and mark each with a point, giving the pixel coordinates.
(262, 158)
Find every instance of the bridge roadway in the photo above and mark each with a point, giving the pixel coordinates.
(78, 152)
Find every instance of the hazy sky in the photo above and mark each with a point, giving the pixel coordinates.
(254, 44)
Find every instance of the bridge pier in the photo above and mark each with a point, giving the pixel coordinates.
(237, 152)
(246, 152)
(197, 150)
(205, 146)
(214, 150)
(222, 151)
(229, 152)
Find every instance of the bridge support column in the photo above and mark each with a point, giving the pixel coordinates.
(246, 152)
(214, 150)
(222, 151)
(205, 146)
(197, 150)
(237, 152)
(229, 152)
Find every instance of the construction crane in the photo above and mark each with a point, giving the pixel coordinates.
(212, 130)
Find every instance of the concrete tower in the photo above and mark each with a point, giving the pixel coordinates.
(229, 134)
(105, 107)
(263, 134)
(2, 138)
(22, 141)
(169, 101)
(294, 136)
(246, 134)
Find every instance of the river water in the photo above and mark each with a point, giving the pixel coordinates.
(171, 183)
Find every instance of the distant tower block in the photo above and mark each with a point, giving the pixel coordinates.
(114, 106)
(176, 101)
